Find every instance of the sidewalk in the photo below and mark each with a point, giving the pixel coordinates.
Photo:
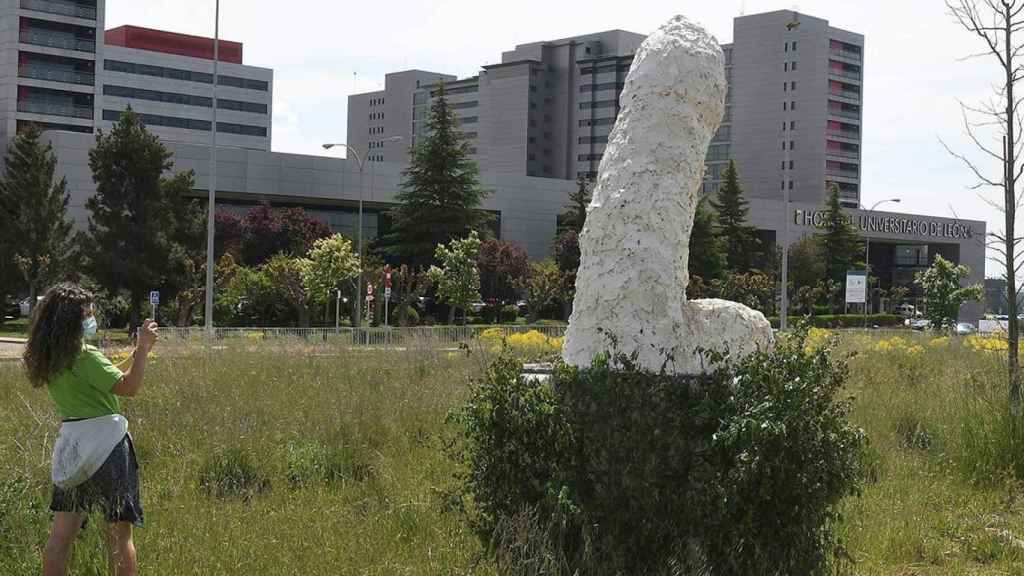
(12, 340)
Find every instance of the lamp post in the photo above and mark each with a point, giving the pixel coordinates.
(211, 204)
(361, 162)
(787, 183)
(867, 258)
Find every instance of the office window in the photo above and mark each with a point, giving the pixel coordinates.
(785, 66)
(783, 187)
(784, 106)
(783, 164)
(792, 124)
(786, 48)
(793, 67)
(790, 184)
(790, 164)
(794, 45)
(792, 105)
(790, 144)
(785, 86)
(792, 85)
(783, 126)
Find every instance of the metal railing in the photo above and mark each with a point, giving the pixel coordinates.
(852, 55)
(842, 173)
(53, 109)
(845, 73)
(57, 41)
(850, 94)
(41, 72)
(845, 134)
(62, 8)
(843, 153)
(410, 337)
(844, 113)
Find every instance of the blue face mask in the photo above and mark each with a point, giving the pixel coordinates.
(89, 325)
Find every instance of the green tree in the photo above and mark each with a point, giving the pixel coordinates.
(542, 287)
(286, 276)
(579, 200)
(132, 224)
(185, 283)
(35, 231)
(457, 279)
(841, 245)
(806, 262)
(944, 293)
(707, 258)
(332, 266)
(441, 193)
(739, 240)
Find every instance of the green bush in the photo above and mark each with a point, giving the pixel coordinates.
(624, 471)
(232, 473)
(509, 314)
(844, 320)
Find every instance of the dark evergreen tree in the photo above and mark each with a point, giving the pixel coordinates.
(739, 240)
(707, 259)
(841, 244)
(132, 222)
(441, 193)
(579, 200)
(35, 231)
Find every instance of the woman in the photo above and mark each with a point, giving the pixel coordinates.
(94, 465)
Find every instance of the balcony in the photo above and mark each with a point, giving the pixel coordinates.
(844, 113)
(848, 94)
(848, 134)
(845, 73)
(62, 8)
(849, 54)
(52, 74)
(840, 173)
(52, 40)
(56, 109)
(852, 154)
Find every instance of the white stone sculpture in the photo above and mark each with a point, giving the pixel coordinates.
(631, 285)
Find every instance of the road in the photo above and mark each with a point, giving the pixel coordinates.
(9, 350)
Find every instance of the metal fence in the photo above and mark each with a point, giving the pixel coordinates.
(413, 337)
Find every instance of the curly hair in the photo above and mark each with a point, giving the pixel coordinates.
(55, 337)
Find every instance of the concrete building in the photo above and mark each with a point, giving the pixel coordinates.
(547, 109)
(168, 78)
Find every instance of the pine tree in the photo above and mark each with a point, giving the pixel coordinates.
(579, 200)
(707, 259)
(441, 192)
(132, 222)
(840, 242)
(739, 240)
(34, 224)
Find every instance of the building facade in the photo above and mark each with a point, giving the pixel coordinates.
(795, 88)
(60, 70)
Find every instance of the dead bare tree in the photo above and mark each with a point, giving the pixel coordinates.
(995, 23)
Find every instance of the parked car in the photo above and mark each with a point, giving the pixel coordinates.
(11, 309)
(965, 329)
(25, 308)
(920, 324)
(477, 307)
(907, 310)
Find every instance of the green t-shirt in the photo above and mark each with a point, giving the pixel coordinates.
(84, 390)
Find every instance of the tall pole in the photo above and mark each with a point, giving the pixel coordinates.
(359, 232)
(211, 204)
(784, 312)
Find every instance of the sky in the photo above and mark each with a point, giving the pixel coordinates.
(322, 51)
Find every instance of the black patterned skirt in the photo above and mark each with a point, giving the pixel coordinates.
(113, 489)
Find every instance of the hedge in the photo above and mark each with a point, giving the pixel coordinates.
(845, 320)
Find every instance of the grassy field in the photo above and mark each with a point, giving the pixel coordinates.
(265, 461)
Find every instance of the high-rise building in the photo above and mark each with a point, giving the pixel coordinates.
(59, 70)
(792, 121)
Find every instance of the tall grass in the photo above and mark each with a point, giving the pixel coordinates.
(275, 461)
(267, 459)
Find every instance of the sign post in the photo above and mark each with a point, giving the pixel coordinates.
(387, 293)
(857, 289)
(369, 304)
(337, 313)
(154, 301)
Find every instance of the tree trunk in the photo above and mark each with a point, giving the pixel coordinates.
(451, 315)
(304, 315)
(1010, 203)
(185, 314)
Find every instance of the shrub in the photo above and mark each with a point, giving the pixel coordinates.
(630, 472)
(412, 316)
(509, 314)
(844, 320)
(232, 473)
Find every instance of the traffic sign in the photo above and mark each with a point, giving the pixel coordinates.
(387, 293)
(154, 298)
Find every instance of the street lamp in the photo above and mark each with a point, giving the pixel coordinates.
(361, 162)
(867, 256)
(211, 204)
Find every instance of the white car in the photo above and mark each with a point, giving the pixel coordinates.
(965, 329)
(24, 307)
